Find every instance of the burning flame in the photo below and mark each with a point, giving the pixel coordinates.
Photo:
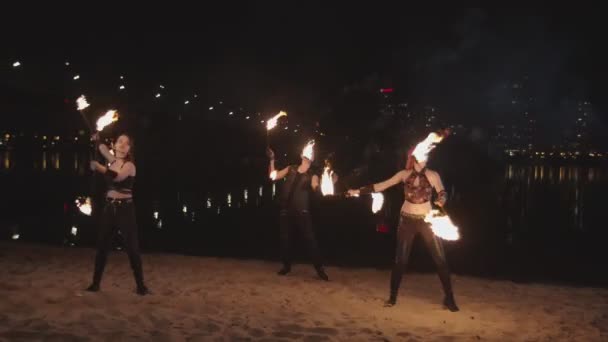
(84, 205)
(82, 103)
(307, 152)
(377, 202)
(108, 118)
(273, 175)
(422, 150)
(327, 184)
(272, 123)
(441, 225)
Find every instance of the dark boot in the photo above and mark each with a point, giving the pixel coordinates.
(321, 272)
(283, 271)
(449, 303)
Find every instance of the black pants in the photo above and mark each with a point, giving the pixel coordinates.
(408, 229)
(298, 221)
(118, 215)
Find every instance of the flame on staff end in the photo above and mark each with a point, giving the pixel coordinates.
(81, 103)
(422, 150)
(108, 118)
(308, 152)
(84, 205)
(377, 202)
(273, 175)
(441, 225)
(327, 184)
(272, 123)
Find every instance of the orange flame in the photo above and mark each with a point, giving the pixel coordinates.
(442, 226)
(422, 150)
(327, 184)
(108, 118)
(272, 123)
(308, 152)
(377, 202)
(84, 205)
(82, 103)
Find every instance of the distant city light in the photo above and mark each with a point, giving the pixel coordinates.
(162, 86)
(76, 77)
(122, 87)
(186, 102)
(231, 113)
(67, 63)
(16, 64)
(247, 118)
(211, 108)
(157, 95)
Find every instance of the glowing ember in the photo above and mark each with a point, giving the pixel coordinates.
(81, 103)
(84, 205)
(108, 118)
(307, 152)
(377, 202)
(327, 184)
(272, 123)
(422, 150)
(442, 226)
(273, 175)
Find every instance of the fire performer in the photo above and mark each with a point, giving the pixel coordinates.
(419, 183)
(295, 207)
(119, 209)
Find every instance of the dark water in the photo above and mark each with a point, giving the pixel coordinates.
(529, 223)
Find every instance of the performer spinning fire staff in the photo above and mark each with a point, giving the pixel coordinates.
(295, 207)
(119, 209)
(419, 184)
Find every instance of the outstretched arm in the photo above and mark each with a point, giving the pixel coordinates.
(379, 187)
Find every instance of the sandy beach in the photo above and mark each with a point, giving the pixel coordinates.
(211, 299)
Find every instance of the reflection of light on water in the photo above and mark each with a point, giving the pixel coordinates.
(44, 160)
(208, 202)
(274, 189)
(7, 160)
(75, 161)
(576, 174)
(260, 191)
(245, 195)
(229, 200)
(591, 175)
(156, 215)
(159, 224)
(562, 173)
(551, 175)
(193, 216)
(218, 209)
(510, 172)
(57, 160)
(185, 209)
(74, 231)
(542, 173)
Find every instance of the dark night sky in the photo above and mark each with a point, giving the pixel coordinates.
(273, 57)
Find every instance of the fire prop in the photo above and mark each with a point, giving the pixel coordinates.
(377, 202)
(272, 123)
(84, 205)
(422, 150)
(308, 152)
(441, 225)
(108, 118)
(327, 184)
(81, 103)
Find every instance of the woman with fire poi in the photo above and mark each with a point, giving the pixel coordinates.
(295, 207)
(119, 209)
(419, 184)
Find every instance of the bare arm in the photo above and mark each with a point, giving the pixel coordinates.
(105, 152)
(314, 182)
(280, 174)
(435, 181)
(127, 170)
(396, 179)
